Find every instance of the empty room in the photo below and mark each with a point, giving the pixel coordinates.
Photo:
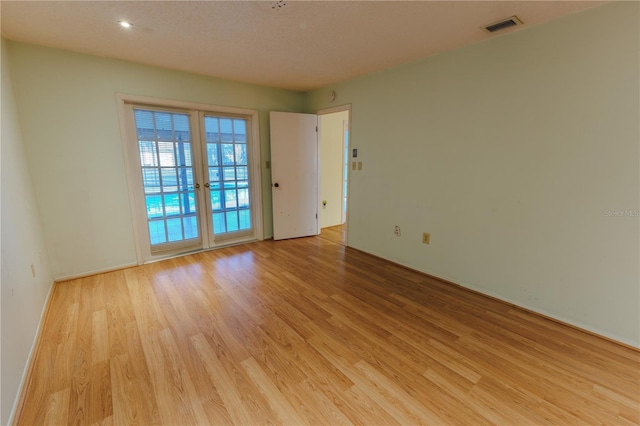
(320, 212)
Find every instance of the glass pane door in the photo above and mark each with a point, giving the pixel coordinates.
(165, 148)
(229, 201)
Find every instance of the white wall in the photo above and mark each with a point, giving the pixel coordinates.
(510, 152)
(67, 102)
(331, 165)
(23, 296)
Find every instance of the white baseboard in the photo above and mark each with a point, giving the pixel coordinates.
(27, 366)
(543, 313)
(60, 278)
(535, 310)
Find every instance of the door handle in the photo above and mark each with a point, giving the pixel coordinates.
(197, 186)
(276, 184)
(206, 185)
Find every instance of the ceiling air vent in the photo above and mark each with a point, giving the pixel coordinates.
(504, 23)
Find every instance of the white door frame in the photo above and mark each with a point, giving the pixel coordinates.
(325, 111)
(142, 251)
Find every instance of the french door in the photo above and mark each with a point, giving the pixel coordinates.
(165, 148)
(227, 181)
(192, 174)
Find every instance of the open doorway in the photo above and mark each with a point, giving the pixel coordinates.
(333, 126)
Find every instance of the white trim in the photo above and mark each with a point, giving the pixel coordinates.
(27, 365)
(140, 232)
(198, 153)
(160, 102)
(346, 146)
(124, 137)
(339, 108)
(255, 176)
(94, 272)
(543, 313)
(227, 243)
(319, 168)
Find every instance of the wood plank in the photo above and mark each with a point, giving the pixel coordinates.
(101, 401)
(307, 331)
(57, 408)
(81, 384)
(336, 234)
(133, 398)
(238, 404)
(276, 400)
(99, 337)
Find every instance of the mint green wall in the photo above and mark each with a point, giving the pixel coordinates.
(67, 103)
(23, 289)
(510, 152)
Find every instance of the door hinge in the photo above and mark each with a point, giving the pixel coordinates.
(316, 215)
(316, 128)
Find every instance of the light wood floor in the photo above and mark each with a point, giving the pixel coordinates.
(308, 332)
(336, 234)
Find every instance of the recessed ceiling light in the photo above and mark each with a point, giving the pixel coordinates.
(125, 24)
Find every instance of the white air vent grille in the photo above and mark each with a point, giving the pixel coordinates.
(503, 24)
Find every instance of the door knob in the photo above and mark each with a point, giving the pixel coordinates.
(276, 184)
(206, 185)
(197, 186)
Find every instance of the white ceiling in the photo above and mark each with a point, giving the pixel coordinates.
(302, 45)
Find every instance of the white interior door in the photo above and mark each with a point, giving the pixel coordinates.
(294, 174)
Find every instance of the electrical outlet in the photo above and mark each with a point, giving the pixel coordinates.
(359, 165)
(426, 238)
(354, 165)
(396, 231)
